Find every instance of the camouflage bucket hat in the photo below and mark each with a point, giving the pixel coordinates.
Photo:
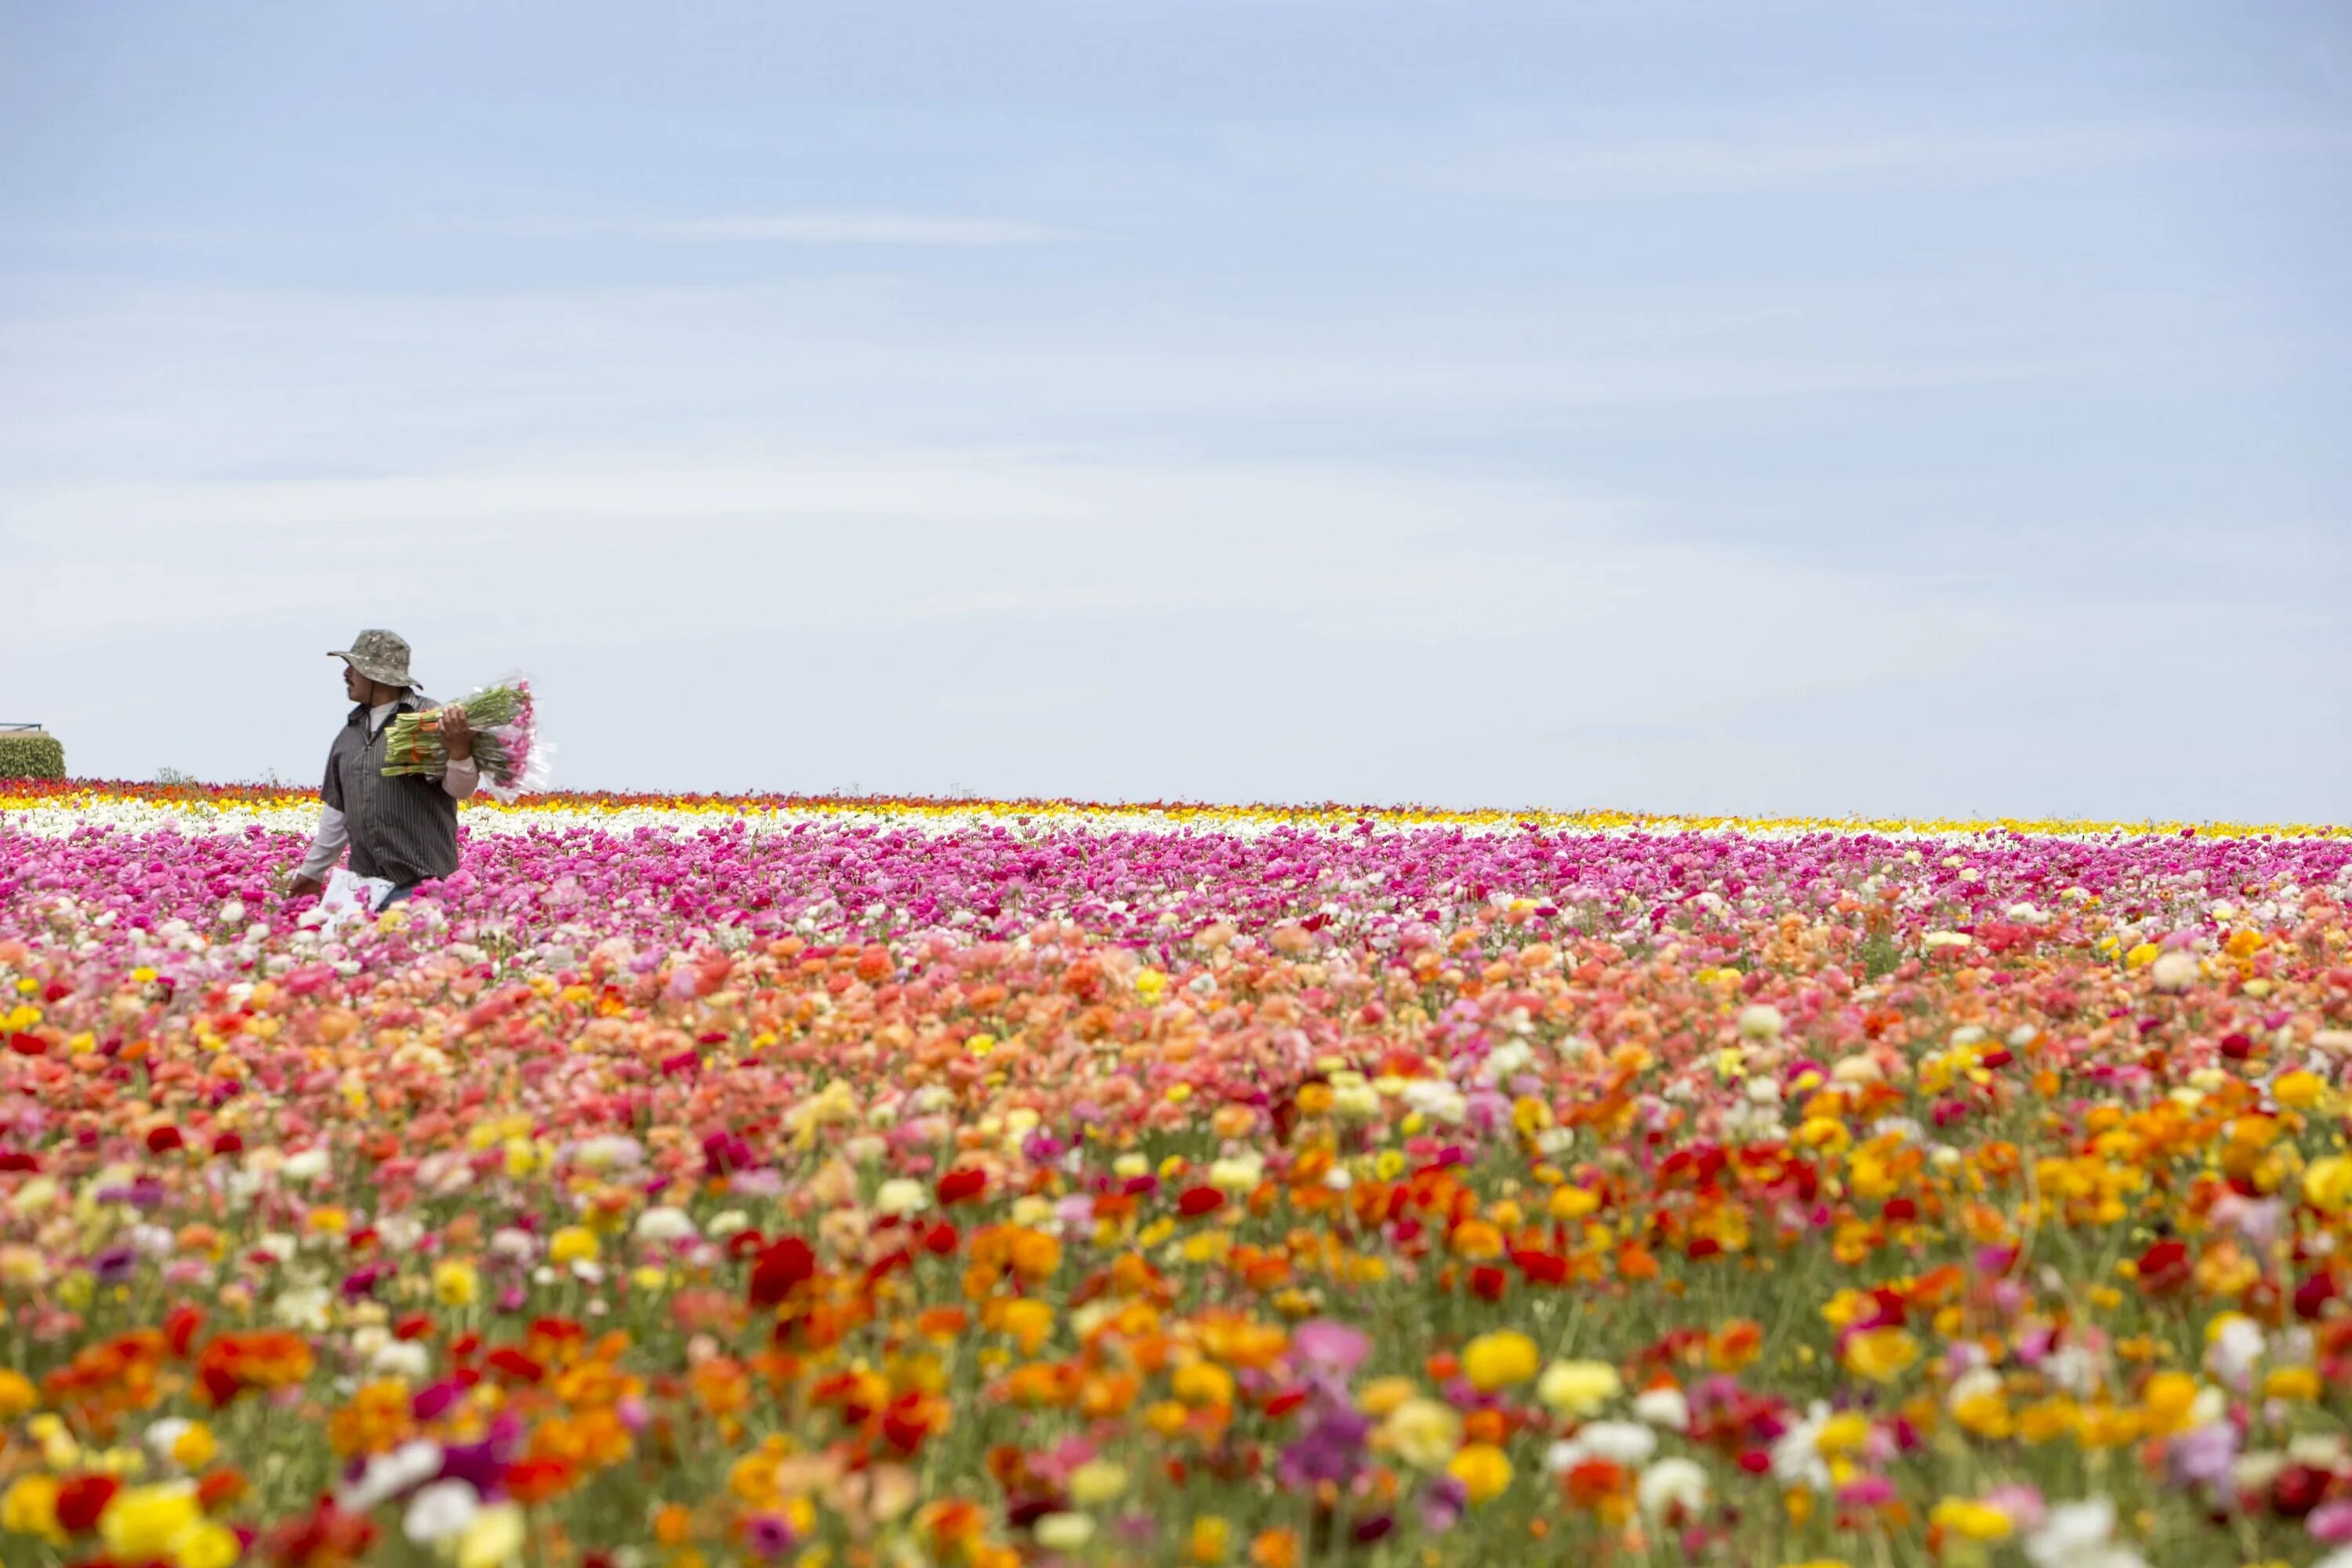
(378, 654)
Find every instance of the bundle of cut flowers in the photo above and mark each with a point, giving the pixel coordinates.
(506, 740)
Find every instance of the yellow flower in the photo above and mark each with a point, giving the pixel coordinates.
(1212, 1539)
(1422, 1432)
(1578, 1387)
(2048, 1420)
(145, 1523)
(2168, 1398)
(1383, 1394)
(2327, 1183)
(455, 1283)
(195, 1448)
(1985, 1415)
(1201, 1382)
(17, 1394)
(2298, 1383)
(1499, 1360)
(30, 1508)
(1096, 1481)
(1976, 1520)
(1881, 1355)
(2104, 1426)
(494, 1539)
(1483, 1469)
(1063, 1531)
(211, 1544)
(1842, 1434)
(572, 1244)
(2299, 1089)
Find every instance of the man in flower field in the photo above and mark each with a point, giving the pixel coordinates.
(402, 828)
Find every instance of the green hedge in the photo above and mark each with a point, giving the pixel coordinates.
(32, 757)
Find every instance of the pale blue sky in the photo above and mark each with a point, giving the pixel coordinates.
(1746, 406)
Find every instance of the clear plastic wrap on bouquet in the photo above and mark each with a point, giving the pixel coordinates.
(504, 718)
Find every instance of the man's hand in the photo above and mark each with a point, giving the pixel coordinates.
(456, 734)
(305, 886)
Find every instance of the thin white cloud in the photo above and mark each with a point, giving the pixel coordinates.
(858, 228)
(816, 228)
(807, 228)
(1517, 157)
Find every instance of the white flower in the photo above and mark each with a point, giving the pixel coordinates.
(2236, 1345)
(1669, 1484)
(1760, 1021)
(2081, 1535)
(440, 1511)
(2075, 1369)
(1437, 1100)
(1947, 939)
(608, 1152)
(901, 1196)
(508, 1242)
(727, 1223)
(388, 1475)
(1237, 1174)
(1063, 1531)
(2174, 970)
(662, 1224)
(1797, 1455)
(401, 1358)
(306, 1166)
(306, 1308)
(1627, 1443)
(1664, 1408)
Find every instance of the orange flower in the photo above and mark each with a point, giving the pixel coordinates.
(1275, 1549)
(259, 1359)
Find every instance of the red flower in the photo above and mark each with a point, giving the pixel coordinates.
(536, 1480)
(181, 1325)
(2164, 1267)
(907, 1423)
(960, 1187)
(82, 1499)
(1486, 1282)
(782, 1265)
(509, 1362)
(163, 1140)
(2298, 1491)
(1542, 1268)
(1194, 1202)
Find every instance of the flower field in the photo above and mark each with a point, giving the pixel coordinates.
(692, 1180)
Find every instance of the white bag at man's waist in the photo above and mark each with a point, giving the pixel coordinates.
(349, 896)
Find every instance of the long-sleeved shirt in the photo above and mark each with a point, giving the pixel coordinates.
(462, 779)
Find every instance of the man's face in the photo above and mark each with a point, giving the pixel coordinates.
(355, 685)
